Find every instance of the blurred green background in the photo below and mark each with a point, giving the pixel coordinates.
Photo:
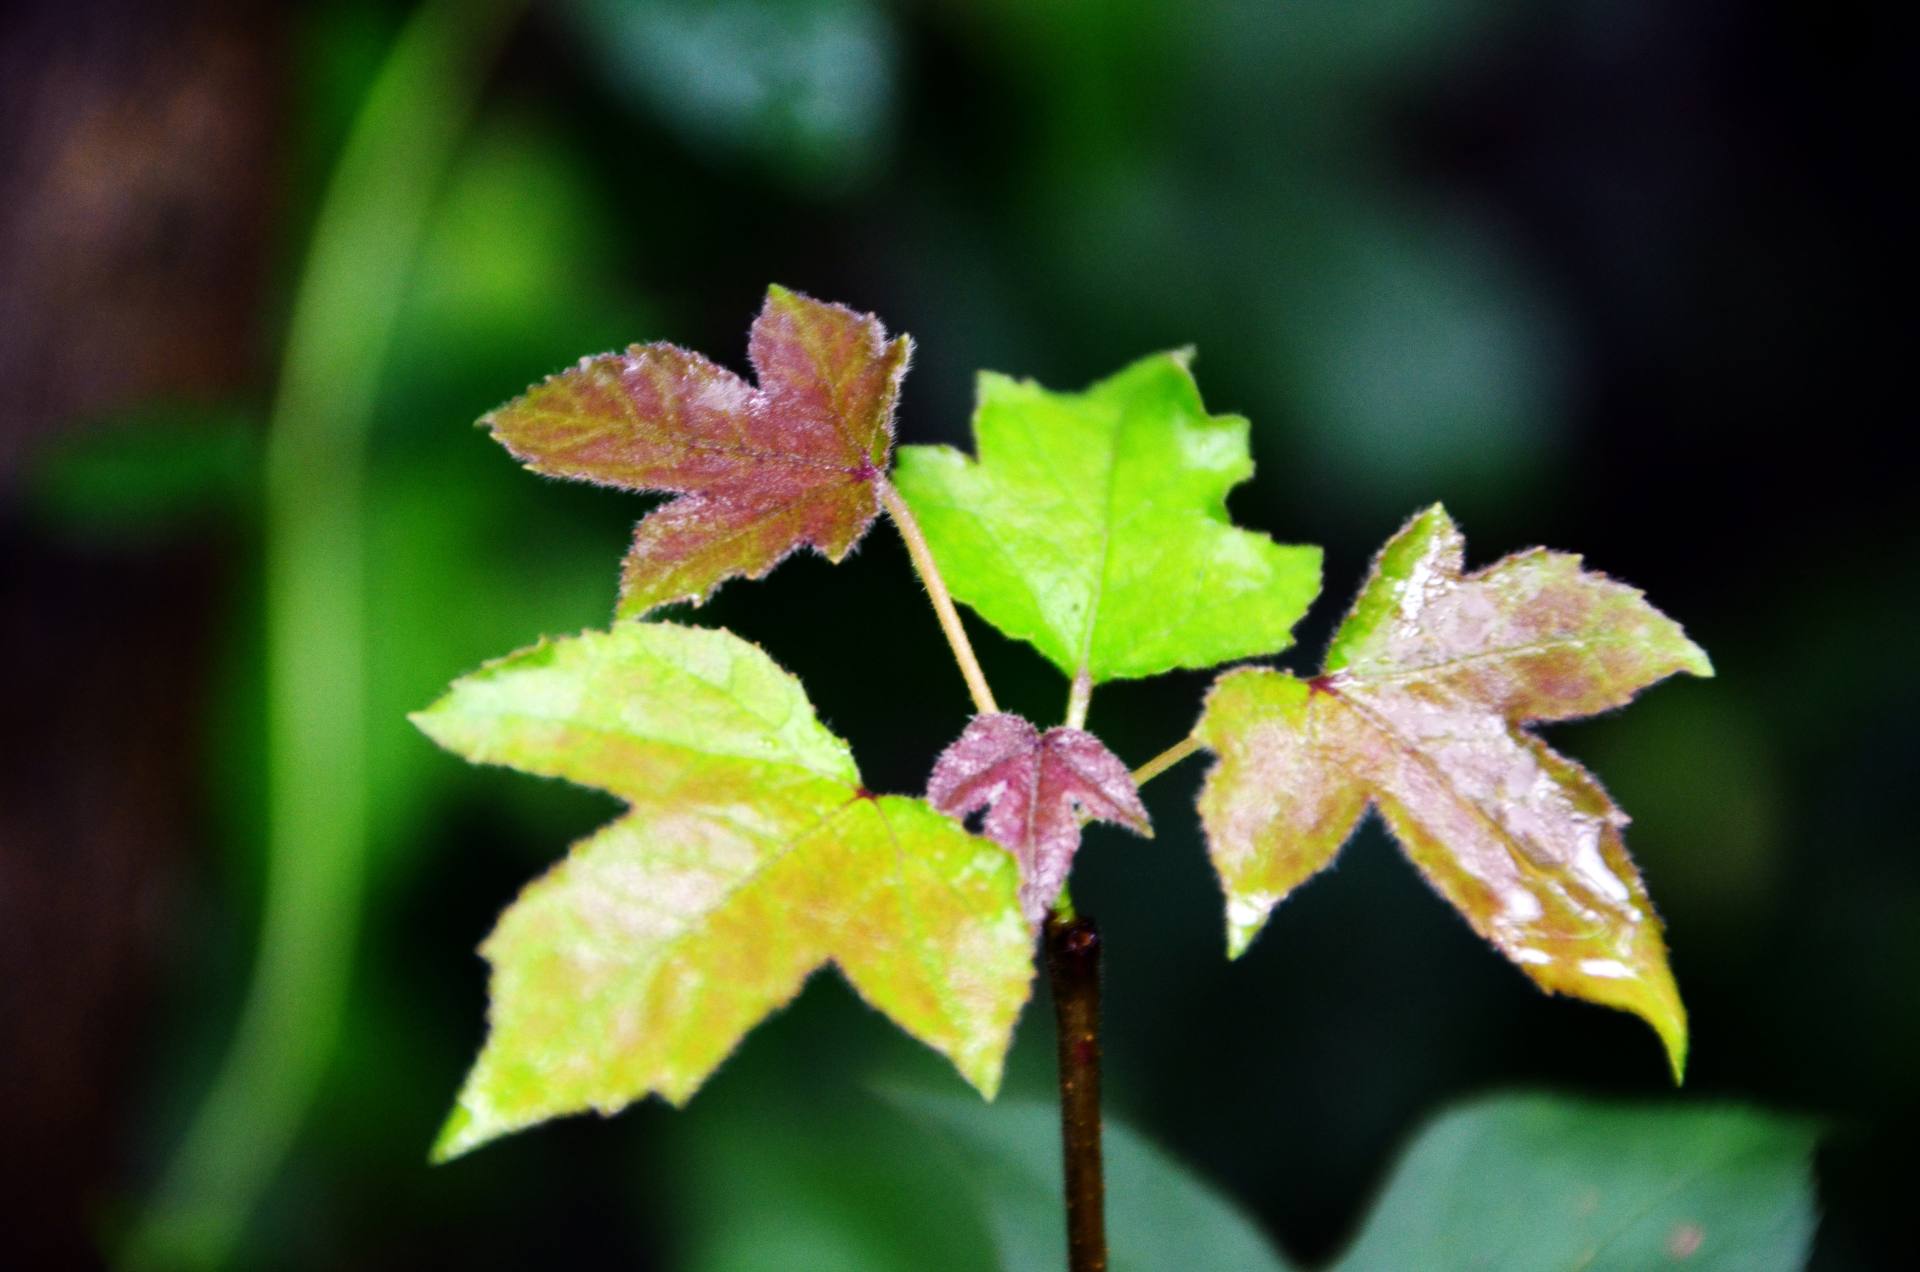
(1615, 277)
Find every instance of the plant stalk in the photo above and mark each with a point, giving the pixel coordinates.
(1073, 969)
(1165, 760)
(1079, 698)
(937, 592)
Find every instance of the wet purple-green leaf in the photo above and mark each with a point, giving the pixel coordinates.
(1420, 713)
(757, 472)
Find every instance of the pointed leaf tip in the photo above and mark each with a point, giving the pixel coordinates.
(984, 1075)
(1421, 713)
(458, 1136)
(1676, 1048)
(1246, 919)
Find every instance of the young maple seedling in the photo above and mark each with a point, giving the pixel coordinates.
(1093, 526)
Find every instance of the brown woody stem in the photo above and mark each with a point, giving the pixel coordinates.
(1165, 760)
(1073, 968)
(937, 592)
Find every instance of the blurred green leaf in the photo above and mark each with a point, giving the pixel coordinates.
(804, 88)
(345, 306)
(1321, 49)
(1514, 1183)
(465, 558)
(1418, 354)
(145, 474)
(1539, 1184)
(1160, 1216)
(836, 1180)
(523, 266)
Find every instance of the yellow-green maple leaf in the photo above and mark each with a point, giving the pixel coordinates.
(749, 856)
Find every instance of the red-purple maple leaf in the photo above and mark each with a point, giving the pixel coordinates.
(758, 472)
(1037, 788)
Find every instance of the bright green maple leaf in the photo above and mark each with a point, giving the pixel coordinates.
(1094, 526)
(750, 855)
(1420, 712)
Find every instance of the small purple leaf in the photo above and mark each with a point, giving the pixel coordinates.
(1036, 789)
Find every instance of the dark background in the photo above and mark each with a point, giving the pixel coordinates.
(1629, 279)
